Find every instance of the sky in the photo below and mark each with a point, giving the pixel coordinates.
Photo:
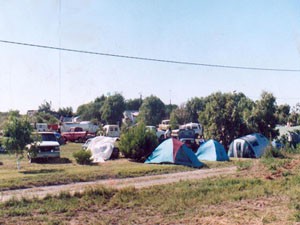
(242, 33)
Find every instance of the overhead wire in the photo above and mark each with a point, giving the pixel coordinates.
(151, 59)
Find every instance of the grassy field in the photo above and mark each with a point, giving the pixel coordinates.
(264, 191)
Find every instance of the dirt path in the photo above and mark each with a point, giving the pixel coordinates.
(137, 182)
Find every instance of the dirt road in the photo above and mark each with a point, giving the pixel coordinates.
(137, 182)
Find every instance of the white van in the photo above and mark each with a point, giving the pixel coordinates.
(111, 130)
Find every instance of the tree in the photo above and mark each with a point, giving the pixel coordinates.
(112, 109)
(282, 114)
(133, 104)
(17, 133)
(264, 117)
(178, 116)
(194, 106)
(92, 111)
(152, 111)
(169, 109)
(66, 112)
(137, 142)
(223, 116)
(45, 107)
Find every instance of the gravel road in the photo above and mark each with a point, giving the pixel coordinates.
(137, 182)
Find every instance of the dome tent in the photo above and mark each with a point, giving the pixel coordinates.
(174, 151)
(212, 150)
(249, 146)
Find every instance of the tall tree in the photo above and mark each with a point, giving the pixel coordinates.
(179, 116)
(194, 106)
(66, 111)
(264, 117)
(223, 118)
(17, 134)
(112, 109)
(282, 114)
(152, 111)
(133, 104)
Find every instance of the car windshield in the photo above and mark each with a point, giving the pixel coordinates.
(48, 137)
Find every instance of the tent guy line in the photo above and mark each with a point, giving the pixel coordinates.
(151, 59)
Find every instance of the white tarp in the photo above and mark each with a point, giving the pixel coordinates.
(101, 148)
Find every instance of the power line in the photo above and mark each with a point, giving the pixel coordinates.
(152, 59)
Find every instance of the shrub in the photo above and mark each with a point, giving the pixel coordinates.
(83, 157)
(273, 153)
(137, 143)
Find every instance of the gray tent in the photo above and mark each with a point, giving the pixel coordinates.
(249, 146)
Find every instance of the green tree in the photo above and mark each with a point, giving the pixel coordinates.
(45, 107)
(179, 116)
(66, 111)
(264, 117)
(17, 134)
(133, 104)
(92, 110)
(223, 116)
(169, 109)
(137, 142)
(282, 114)
(112, 109)
(152, 111)
(194, 106)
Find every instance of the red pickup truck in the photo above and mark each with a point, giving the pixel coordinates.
(76, 134)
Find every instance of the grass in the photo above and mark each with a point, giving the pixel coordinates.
(68, 171)
(264, 191)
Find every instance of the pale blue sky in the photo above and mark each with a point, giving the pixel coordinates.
(251, 33)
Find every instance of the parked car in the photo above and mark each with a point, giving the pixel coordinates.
(187, 136)
(160, 134)
(44, 147)
(76, 134)
(164, 125)
(111, 130)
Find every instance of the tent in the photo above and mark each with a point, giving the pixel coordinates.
(174, 151)
(101, 148)
(249, 146)
(212, 150)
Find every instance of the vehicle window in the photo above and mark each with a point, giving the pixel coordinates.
(48, 137)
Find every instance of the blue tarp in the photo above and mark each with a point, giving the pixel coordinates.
(212, 150)
(174, 151)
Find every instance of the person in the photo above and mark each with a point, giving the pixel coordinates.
(168, 133)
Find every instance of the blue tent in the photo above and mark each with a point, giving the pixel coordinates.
(249, 146)
(174, 151)
(212, 150)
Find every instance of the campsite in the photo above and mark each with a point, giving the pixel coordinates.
(260, 191)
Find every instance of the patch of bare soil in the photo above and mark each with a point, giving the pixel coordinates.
(137, 182)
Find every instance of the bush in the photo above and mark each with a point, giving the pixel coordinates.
(273, 153)
(83, 157)
(137, 143)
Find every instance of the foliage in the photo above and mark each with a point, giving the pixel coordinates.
(264, 119)
(137, 143)
(112, 109)
(17, 133)
(133, 104)
(91, 111)
(83, 157)
(282, 114)
(179, 116)
(273, 153)
(223, 116)
(193, 107)
(169, 109)
(152, 111)
(66, 111)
